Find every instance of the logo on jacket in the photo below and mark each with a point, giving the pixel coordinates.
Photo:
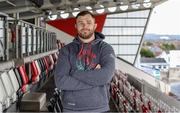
(85, 60)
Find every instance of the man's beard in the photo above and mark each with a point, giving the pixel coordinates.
(85, 35)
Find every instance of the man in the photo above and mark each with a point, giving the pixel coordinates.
(85, 69)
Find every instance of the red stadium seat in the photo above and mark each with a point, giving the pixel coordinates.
(38, 67)
(52, 61)
(46, 65)
(24, 78)
(34, 71)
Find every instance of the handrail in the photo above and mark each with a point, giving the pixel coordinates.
(12, 63)
(37, 56)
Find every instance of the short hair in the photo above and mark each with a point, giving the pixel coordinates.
(82, 13)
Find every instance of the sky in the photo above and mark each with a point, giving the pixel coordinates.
(165, 18)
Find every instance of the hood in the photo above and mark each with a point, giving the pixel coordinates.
(98, 37)
(85, 55)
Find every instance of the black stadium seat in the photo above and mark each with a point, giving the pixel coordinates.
(18, 77)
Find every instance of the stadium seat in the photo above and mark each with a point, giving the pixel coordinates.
(34, 71)
(13, 79)
(52, 61)
(3, 97)
(46, 66)
(11, 93)
(18, 77)
(24, 78)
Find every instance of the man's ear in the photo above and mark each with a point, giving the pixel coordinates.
(95, 25)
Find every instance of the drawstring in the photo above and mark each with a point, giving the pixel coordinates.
(89, 54)
(80, 54)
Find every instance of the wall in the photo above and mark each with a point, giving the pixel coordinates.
(174, 74)
(64, 37)
(174, 58)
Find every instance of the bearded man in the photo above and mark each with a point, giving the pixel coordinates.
(85, 68)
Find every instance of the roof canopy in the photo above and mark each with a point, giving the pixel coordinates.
(68, 8)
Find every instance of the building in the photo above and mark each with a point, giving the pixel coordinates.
(154, 63)
(174, 57)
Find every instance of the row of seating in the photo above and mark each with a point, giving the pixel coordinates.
(17, 81)
(37, 39)
(1, 37)
(129, 99)
(31, 39)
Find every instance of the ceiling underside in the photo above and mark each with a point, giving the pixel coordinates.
(36, 8)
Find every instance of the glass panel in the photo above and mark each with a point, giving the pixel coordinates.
(23, 40)
(38, 43)
(1, 33)
(1, 23)
(29, 39)
(128, 49)
(125, 22)
(129, 39)
(124, 32)
(34, 42)
(23, 48)
(112, 39)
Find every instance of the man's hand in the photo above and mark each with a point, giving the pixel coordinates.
(98, 66)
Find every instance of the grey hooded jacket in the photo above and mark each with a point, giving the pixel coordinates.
(84, 87)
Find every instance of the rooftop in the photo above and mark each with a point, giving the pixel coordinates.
(152, 60)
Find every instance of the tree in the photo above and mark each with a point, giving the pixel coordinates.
(146, 53)
(167, 47)
(149, 43)
(172, 46)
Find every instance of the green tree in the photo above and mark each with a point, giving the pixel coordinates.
(172, 46)
(149, 43)
(146, 53)
(167, 47)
